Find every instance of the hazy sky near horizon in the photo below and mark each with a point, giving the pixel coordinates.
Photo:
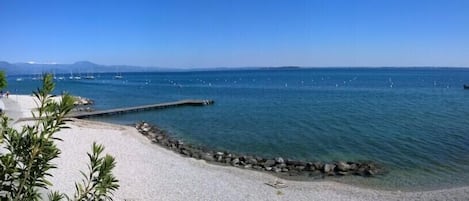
(224, 33)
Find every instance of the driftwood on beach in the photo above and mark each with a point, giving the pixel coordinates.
(277, 165)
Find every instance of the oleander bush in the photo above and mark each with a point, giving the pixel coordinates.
(26, 155)
(3, 80)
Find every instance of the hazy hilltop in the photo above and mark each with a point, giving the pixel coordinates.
(90, 67)
(77, 67)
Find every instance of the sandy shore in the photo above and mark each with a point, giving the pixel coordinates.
(150, 172)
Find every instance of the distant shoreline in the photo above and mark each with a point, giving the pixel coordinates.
(87, 67)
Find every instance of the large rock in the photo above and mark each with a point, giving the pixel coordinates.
(257, 167)
(259, 159)
(219, 158)
(146, 129)
(310, 167)
(318, 165)
(159, 137)
(282, 165)
(370, 172)
(151, 135)
(242, 158)
(279, 160)
(361, 171)
(82, 101)
(328, 168)
(276, 169)
(295, 163)
(186, 152)
(252, 161)
(342, 173)
(196, 155)
(269, 163)
(342, 166)
(300, 167)
(235, 162)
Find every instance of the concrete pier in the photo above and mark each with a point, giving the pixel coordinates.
(116, 111)
(141, 108)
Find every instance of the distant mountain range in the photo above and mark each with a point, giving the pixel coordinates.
(85, 67)
(77, 67)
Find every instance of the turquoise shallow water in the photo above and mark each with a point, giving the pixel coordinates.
(413, 121)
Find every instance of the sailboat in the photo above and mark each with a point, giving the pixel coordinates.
(37, 77)
(89, 77)
(77, 77)
(118, 76)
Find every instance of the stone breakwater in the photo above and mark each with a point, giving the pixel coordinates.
(82, 101)
(82, 104)
(277, 165)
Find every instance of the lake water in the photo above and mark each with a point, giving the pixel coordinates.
(413, 121)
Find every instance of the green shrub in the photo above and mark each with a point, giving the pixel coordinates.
(3, 80)
(27, 155)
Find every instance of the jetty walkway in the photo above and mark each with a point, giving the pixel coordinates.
(80, 115)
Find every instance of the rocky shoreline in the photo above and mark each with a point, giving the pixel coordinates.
(277, 166)
(82, 104)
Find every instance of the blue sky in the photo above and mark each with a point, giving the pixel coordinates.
(229, 33)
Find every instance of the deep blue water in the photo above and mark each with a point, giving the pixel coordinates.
(413, 121)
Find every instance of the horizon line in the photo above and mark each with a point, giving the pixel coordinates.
(237, 67)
